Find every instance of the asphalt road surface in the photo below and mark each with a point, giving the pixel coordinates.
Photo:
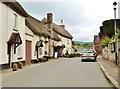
(57, 73)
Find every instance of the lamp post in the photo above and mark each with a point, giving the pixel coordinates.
(115, 7)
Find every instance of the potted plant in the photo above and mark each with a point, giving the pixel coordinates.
(20, 65)
(15, 67)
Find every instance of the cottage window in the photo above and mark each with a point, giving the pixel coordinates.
(19, 52)
(68, 41)
(15, 22)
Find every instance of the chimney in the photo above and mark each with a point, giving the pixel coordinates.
(61, 24)
(49, 17)
(61, 21)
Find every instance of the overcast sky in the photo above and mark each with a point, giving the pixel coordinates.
(82, 18)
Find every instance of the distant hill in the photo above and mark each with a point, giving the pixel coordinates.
(80, 44)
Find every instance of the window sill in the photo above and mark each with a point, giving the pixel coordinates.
(20, 58)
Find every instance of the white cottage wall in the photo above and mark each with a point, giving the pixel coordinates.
(1, 34)
(68, 44)
(34, 41)
(4, 33)
(7, 26)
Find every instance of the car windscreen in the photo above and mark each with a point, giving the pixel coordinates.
(88, 51)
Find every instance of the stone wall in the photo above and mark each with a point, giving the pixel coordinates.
(105, 53)
(108, 54)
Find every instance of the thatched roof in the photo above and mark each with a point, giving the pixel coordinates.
(15, 6)
(36, 26)
(56, 37)
(58, 29)
(44, 20)
(73, 42)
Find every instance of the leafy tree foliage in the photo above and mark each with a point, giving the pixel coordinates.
(83, 44)
(108, 28)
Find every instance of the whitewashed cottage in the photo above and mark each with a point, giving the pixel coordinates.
(38, 35)
(65, 43)
(12, 33)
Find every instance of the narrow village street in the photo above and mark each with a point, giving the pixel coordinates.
(62, 72)
(44, 45)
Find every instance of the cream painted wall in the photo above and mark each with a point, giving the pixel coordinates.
(28, 31)
(1, 34)
(46, 45)
(4, 33)
(7, 29)
(35, 39)
(43, 48)
(68, 44)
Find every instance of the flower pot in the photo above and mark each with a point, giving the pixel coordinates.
(15, 67)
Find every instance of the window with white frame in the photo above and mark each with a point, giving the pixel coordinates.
(14, 22)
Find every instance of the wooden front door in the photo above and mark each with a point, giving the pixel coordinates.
(28, 52)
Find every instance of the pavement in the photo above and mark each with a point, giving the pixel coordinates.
(110, 70)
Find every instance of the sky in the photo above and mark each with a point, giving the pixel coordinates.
(82, 18)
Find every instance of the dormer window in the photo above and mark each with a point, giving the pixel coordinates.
(15, 22)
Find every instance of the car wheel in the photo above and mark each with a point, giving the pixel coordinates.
(82, 60)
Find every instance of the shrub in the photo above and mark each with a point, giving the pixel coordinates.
(40, 59)
(104, 41)
(72, 55)
(77, 54)
(118, 33)
(35, 60)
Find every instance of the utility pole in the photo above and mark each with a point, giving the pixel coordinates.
(115, 28)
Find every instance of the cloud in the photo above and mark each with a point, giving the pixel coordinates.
(81, 17)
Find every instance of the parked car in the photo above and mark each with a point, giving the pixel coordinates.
(88, 54)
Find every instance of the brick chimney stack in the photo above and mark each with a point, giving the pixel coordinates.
(50, 30)
(49, 23)
(49, 20)
(61, 21)
(49, 17)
